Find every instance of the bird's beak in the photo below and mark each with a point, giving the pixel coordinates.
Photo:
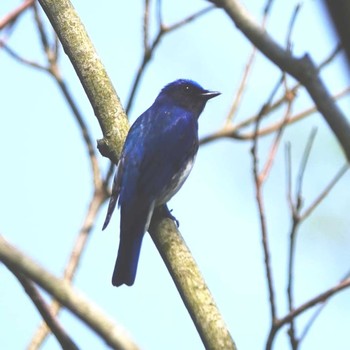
(210, 94)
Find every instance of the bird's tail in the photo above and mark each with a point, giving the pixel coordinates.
(134, 223)
(127, 260)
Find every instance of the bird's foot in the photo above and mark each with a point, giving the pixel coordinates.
(167, 213)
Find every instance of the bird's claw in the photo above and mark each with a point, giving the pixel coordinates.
(170, 216)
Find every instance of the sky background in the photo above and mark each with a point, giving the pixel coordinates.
(45, 182)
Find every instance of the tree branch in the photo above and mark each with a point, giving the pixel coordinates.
(61, 335)
(339, 11)
(66, 295)
(72, 264)
(303, 69)
(11, 17)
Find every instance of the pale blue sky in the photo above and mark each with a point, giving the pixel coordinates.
(46, 183)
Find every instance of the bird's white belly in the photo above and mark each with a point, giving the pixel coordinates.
(176, 183)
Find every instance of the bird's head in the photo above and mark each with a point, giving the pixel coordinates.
(187, 94)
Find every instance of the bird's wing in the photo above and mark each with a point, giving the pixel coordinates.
(115, 193)
(171, 145)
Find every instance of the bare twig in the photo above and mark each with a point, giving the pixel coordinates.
(325, 296)
(331, 57)
(264, 173)
(234, 133)
(56, 328)
(149, 52)
(314, 301)
(239, 94)
(325, 192)
(258, 188)
(297, 218)
(247, 70)
(288, 158)
(291, 26)
(44, 40)
(317, 312)
(302, 168)
(146, 26)
(292, 330)
(295, 210)
(11, 17)
(20, 59)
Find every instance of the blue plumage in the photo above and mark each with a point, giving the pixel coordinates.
(157, 157)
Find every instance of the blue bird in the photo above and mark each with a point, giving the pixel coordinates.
(156, 159)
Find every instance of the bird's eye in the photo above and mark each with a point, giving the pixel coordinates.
(187, 89)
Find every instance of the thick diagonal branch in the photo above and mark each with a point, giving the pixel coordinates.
(190, 284)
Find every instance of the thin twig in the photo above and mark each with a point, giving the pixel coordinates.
(292, 242)
(317, 312)
(338, 48)
(12, 16)
(146, 26)
(247, 70)
(268, 165)
(288, 158)
(147, 55)
(292, 330)
(322, 297)
(233, 131)
(295, 207)
(325, 296)
(55, 327)
(44, 40)
(297, 218)
(20, 59)
(242, 86)
(258, 188)
(291, 26)
(325, 192)
(302, 168)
